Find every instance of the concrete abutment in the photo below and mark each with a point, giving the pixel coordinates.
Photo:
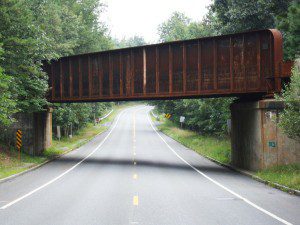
(36, 131)
(256, 140)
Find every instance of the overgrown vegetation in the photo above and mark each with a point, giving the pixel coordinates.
(290, 118)
(73, 117)
(287, 175)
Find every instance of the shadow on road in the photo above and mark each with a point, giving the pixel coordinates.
(160, 164)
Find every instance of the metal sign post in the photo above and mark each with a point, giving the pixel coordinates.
(58, 132)
(181, 120)
(19, 142)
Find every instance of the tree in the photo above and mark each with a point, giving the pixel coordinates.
(24, 47)
(175, 28)
(289, 24)
(131, 42)
(7, 104)
(77, 115)
(237, 16)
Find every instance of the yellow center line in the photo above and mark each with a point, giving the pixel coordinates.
(135, 176)
(136, 200)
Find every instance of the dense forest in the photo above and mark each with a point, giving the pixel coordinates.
(32, 31)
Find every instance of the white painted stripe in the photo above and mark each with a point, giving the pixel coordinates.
(219, 184)
(104, 117)
(64, 173)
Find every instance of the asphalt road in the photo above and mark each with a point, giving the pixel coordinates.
(132, 174)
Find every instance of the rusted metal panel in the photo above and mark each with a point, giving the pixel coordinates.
(116, 73)
(192, 67)
(230, 65)
(71, 77)
(207, 60)
(163, 68)
(238, 78)
(144, 72)
(215, 65)
(199, 67)
(170, 69)
(80, 76)
(223, 63)
(138, 68)
(177, 68)
(151, 70)
(106, 77)
(156, 71)
(100, 75)
(121, 74)
(184, 68)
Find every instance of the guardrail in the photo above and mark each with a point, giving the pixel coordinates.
(107, 115)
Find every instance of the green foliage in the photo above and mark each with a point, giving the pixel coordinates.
(207, 116)
(24, 45)
(175, 28)
(7, 105)
(237, 16)
(34, 30)
(290, 26)
(290, 118)
(131, 42)
(180, 27)
(77, 115)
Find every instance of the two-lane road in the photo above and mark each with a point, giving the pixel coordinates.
(133, 174)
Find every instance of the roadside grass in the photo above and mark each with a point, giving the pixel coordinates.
(220, 149)
(214, 147)
(287, 175)
(10, 164)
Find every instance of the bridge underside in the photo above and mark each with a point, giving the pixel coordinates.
(246, 64)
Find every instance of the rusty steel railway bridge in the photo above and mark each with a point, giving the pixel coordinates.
(243, 64)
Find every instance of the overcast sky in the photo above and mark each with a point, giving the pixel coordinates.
(127, 18)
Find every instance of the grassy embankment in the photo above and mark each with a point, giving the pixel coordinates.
(219, 149)
(10, 164)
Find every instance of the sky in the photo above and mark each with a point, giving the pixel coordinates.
(126, 18)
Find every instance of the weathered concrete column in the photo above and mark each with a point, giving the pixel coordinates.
(48, 128)
(256, 140)
(36, 129)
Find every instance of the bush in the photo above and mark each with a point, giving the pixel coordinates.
(290, 117)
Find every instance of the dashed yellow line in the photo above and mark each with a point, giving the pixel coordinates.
(135, 176)
(136, 200)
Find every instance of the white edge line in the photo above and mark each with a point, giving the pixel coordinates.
(219, 184)
(64, 173)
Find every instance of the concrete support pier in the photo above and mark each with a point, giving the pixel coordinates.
(36, 129)
(256, 140)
